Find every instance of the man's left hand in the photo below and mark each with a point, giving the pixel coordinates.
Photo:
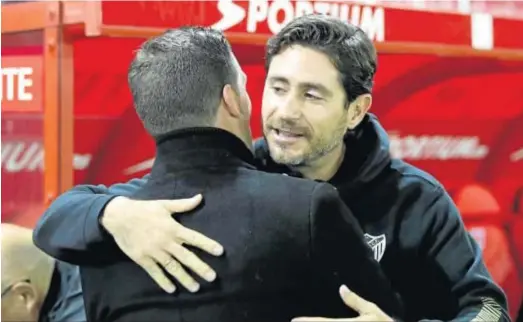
(368, 311)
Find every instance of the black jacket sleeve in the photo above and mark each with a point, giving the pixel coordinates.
(339, 248)
(449, 248)
(69, 229)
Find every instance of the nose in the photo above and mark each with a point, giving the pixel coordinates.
(289, 108)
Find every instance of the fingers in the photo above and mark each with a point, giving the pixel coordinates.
(174, 268)
(187, 236)
(191, 261)
(157, 274)
(182, 205)
(355, 302)
(194, 238)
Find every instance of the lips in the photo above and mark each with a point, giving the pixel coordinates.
(286, 136)
(289, 133)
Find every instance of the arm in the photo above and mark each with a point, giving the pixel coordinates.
(339, 247)
(451, 249)
(69, 229)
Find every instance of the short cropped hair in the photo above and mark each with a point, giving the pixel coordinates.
(348, 47)
(177, 78)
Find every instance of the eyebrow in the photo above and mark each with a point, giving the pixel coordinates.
(305, 85)
(281, 79)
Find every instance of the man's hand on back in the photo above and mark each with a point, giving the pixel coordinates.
(146, 232)
(368, 311)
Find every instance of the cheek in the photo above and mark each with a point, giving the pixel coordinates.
(267, 108)
(247, 103)
(326, 123)
(11, 312)
(5, 310)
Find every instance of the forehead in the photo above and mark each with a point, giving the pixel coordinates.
(300, 64)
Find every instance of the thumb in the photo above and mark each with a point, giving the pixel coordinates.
(353, 301)
(182, 205)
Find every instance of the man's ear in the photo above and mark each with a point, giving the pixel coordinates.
(231, 101)
(357, 110)
(27, 293)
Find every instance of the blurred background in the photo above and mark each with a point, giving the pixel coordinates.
(449, 90)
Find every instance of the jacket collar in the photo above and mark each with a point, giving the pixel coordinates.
(195, 147)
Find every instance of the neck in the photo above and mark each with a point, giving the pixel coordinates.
(323, 168)
(240, 129)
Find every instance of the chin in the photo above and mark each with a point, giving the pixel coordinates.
(295, 163)
(285, 158)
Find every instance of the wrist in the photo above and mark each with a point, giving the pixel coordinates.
(110, 213)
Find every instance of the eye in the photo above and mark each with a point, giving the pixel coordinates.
(278, 89)
(312, 97)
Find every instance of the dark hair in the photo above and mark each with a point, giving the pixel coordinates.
(177, 78)
(349, 48)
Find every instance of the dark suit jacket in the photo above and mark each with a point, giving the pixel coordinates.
(290, 243)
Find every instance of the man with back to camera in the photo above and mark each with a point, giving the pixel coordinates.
(280, 232)
(316, 125)
(35, 287)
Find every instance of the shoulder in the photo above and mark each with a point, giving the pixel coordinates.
(276, 182)
(327, 209)
(419, 190)
(325, 195)
(410, 176)
(422, 198)
(429, 205)
(280, 191)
